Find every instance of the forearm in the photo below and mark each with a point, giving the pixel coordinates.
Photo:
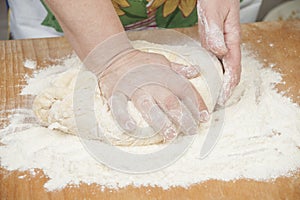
(86, 23)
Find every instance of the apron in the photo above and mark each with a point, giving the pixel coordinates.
(32, 18)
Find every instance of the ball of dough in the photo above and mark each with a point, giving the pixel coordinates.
(54, 105)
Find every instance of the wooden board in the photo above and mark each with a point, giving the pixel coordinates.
(284, 51)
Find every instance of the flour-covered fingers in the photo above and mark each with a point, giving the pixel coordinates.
(188, 71)
(189, 96)
(232, 60)
(183, 89)
(211, 26)
(232, 73)
(153, 115)
(118, 105)
(174, 108)
(194, 102)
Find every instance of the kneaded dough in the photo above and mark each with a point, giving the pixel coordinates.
(54, 105)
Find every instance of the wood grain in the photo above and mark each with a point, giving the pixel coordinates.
(284, 52)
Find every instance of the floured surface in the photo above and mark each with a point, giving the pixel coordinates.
(257, 142)
(54, 105)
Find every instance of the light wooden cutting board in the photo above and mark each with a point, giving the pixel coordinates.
(285, 37)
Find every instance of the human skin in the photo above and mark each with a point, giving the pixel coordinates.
(87, 24)
(219, 28)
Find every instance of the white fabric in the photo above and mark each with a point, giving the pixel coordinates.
(249, 10)
(26, 17)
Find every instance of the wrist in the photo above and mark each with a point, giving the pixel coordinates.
(106, 52)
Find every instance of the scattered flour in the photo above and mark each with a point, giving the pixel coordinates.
(54, 104)
(31, 64)
(260, 140)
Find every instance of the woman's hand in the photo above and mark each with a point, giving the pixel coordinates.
(158, 88)
(219, 28)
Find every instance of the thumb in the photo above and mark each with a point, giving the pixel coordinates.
(211, 28)
(215, 39)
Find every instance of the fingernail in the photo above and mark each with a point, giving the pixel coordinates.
(192, 131)
(204, 116)
(130, 125)
(170, 133)
(190, 71)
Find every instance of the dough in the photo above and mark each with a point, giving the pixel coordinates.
(54, 105)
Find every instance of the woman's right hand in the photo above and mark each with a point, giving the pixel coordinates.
(158, 88)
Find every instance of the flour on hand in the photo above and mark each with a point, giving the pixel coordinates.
(54, 104)
(260, 139)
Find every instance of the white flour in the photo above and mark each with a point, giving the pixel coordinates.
(260, 140)
(30, 64)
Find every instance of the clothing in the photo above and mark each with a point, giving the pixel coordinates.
(26, 17)
(142, 14)
(32, 18)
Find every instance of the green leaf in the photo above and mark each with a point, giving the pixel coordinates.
(137, 11)
(175, 19)
(50, 19)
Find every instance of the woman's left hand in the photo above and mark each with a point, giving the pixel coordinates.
(219, 28)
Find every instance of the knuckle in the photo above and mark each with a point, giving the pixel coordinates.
(144, 102)
(171, 102)
(155, 58)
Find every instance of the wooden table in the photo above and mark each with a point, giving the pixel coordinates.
(284, 51)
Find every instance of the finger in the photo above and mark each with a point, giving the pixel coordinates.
(166, 77)
(201, 25)
(232, 60)
(211, 27)
(118, 106)
(175, 110)
(189, 96)
(232, 74)
(188, 71)
(153, 115)
(193, 102)
(215, 38)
